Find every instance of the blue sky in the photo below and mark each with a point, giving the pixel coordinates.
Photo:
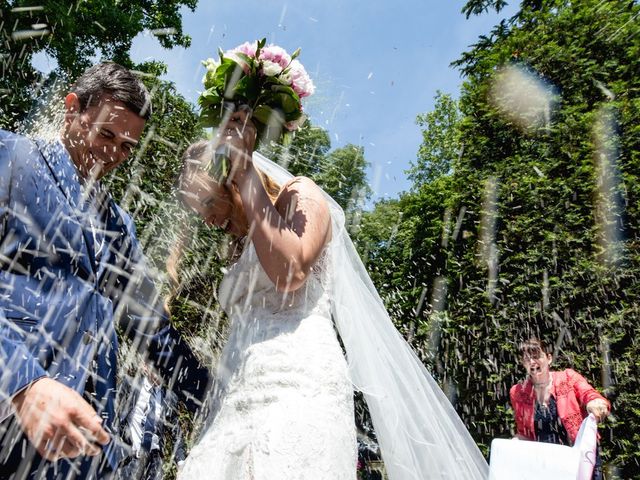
(376, 64)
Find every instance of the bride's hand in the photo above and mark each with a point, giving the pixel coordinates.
(239, 134)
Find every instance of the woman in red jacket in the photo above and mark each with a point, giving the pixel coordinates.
(550, 406)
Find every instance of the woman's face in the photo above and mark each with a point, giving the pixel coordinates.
(537, 365)
(214, 203)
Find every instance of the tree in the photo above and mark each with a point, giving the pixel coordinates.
(477, 7)
(441, 143)
(343, 175)
(72, 33)
(540, 190)
(404, 244)
(304, 155)
(533, 229)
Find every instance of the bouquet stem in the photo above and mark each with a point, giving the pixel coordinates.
(220, 166)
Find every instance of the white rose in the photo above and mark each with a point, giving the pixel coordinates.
(286, 78)
(211, 65)
(270, 69)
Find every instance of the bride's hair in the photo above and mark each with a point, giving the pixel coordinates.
(197, 155)
(194, 158)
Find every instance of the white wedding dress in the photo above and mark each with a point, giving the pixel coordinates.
(283, 407)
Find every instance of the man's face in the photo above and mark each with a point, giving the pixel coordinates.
(101, 137)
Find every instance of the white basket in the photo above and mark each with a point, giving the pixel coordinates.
(524, 460)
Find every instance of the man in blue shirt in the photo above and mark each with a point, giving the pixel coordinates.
(71, 270)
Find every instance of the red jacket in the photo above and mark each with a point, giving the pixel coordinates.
(572, 393)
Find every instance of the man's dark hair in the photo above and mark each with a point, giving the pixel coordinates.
(114, 80)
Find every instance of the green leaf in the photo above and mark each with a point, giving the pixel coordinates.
(280, 88)
(246, 58)
(249, 88)
(231, 75)
(287, 138)
(223, 73)
(209, 97)
(261, 44)
(211, 116)
(263, 114)
(290, 117)
(289, 103)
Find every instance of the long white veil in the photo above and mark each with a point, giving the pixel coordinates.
(419, 432)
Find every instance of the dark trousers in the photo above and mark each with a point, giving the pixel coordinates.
(147, 466)
(597, 467)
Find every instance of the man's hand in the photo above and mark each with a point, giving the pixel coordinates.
(58, 421)
(599, 408)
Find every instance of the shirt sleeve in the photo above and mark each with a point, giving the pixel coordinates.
(516, 412)
(18, 368)
(583, 390)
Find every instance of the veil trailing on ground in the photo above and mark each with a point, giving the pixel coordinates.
(419, 432)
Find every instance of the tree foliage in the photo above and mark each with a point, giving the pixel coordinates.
(553, 276)
(441, 143)
(343, 175)
(73, 32)
(477, 7)
(535, 229)
(305, 153)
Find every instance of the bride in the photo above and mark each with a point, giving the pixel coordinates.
(285, 402)
(284, 399)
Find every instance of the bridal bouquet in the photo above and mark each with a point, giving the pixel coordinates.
(265, 78)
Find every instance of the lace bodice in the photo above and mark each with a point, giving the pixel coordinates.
(246, 287)
(283, 403)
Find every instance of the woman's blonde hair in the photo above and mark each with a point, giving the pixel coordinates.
(197, 156)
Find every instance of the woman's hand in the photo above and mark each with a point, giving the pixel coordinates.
(598, 408)
(239, 136)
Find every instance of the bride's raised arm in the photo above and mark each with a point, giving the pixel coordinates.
(289, 235)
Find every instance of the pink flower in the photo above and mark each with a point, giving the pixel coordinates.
(249, 49)
(275, 54)
(300, 80)
(266, 73)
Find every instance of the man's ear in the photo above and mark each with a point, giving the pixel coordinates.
(72, 104)
(71, 110)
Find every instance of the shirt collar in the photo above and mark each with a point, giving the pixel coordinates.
(73, 185)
